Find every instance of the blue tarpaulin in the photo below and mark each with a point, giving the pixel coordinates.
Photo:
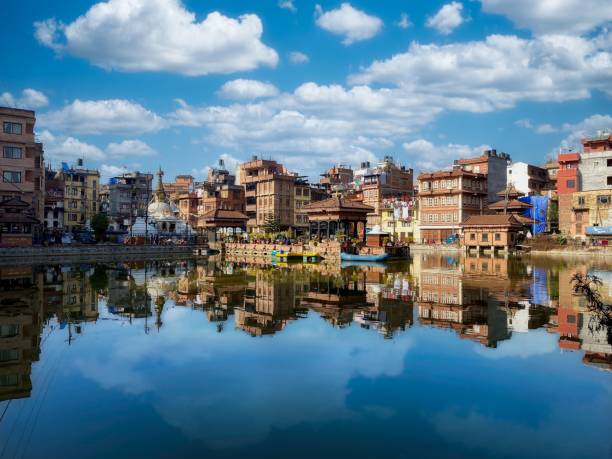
(538, 211)
(65, 166)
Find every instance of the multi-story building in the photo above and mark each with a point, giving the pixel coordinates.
(493, 165)
(54, 201)
(384, 181)
(301, 198)
(590, 209)
(568, 182)
(447, 199)
(337, 178)
(269, 192)
(182, 184)
(596, 162)
(397, 219)
(129, 195)
(552, 169)
(81, 195)
(526, 178)
(21, 159)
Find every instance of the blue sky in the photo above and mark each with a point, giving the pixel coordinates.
(136, 84)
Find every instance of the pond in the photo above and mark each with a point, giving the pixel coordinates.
(440, 356)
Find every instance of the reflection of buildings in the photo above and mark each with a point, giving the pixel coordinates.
(578, 328)
(126, 296)
(68, 293)
(270, 302)
(476, 297)
(21, 316)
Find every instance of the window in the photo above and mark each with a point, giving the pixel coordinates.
(12, 128)
(11, 177)
(12, 152)
(497, 237)
(570, 183)
(609, 180)
(485, 236)
(9, 330)
(472, 236)
(581, 201)
(603, 199)
(609, 162)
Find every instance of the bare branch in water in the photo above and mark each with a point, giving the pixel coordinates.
(588, 286)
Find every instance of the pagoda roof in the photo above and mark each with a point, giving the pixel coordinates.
(492, 220)
(512, 204)
(337, 204)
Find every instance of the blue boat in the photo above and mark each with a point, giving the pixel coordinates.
(352, 257)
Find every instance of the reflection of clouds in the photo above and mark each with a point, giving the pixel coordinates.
(230, 389)
(522, 345)
(557, 435)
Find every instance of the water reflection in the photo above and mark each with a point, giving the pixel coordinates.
(241, 339)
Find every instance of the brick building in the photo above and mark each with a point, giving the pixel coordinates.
(448, 198)
(491, 164)
(270, 193)
(21, 159)
(337, 178)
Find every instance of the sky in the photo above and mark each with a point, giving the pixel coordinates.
(139, 84)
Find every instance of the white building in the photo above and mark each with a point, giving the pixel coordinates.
(526, 178)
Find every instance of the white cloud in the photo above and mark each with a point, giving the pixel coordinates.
(553, 16)
(524, 123)
(231, 164)
(404, 21)
(538, 129)
(353, 24)
(500, 71)
(159, 35)
(130, 148)
(297, 57)
(447, 19)
(247, 89)
(117, 116)
(587, 127)
(30, 99)
(287, 5)
(109, 170)
(426, 156)
(545, 129)
(62, 148)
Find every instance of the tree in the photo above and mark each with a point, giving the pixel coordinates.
(99, 279)
(99, 224)
(271, 224)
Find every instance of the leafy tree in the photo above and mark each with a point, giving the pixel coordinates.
(99, 224)
(99, 279)
(271, 224)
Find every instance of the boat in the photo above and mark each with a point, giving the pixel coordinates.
(353, 257)
(286, 256)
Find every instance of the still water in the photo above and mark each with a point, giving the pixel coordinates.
(438, 357)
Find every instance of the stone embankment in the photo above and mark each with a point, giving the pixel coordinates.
(329, 250)
(92, 253)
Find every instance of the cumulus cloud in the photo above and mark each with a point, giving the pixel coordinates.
(287, 5)
(296, 57)
(66, 148)
(538, 129)
(116, 116)
(426, 156)
(110, 170)
(231, 164)
(130, 148)
(30, 99)
(587, 127)
(247, 89)
(351, 23)
(159, 35)
(447, 19)
(553, 16)
(404, 21)
(499, 71)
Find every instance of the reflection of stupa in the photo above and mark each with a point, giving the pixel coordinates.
(159, 307)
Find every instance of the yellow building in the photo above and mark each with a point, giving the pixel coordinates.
(81, 196)
(401, 224)
(590, 209)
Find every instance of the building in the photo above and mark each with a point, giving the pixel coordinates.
(493, 232)
(162, 217)
(568, 182)
(526, 178)
(596, 162)
(18, 226)
(54, 202)
(269, 192)
(129, 195)
(81, 195)
(182, 184)
(301, 198)
(448, 198)
(385, 181)
(337, 178)
(552, 169)
(591, 209)
(397, 218)
(21, 159)
(493, 165)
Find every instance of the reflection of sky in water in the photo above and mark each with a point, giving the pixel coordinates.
(310, 390)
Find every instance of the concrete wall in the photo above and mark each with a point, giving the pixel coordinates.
(595, 168)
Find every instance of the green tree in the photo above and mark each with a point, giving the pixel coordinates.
(99, 224)
(99, 279)
(271, 224)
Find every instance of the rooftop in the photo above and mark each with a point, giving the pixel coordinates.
(491, 220)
